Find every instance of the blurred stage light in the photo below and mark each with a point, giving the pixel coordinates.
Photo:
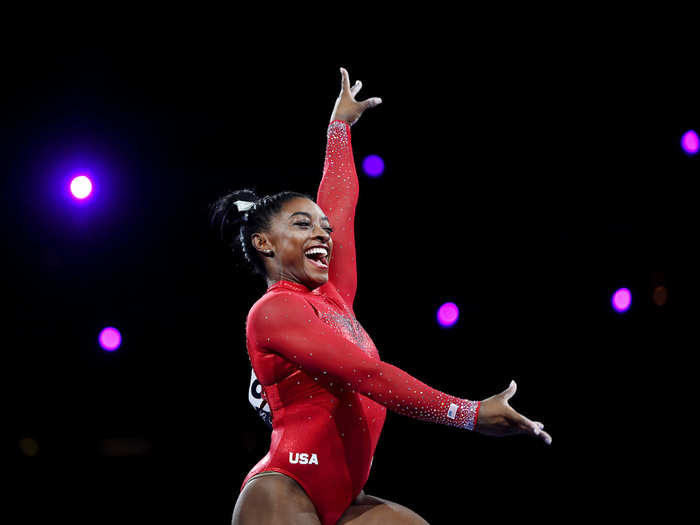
(28, 446)
(135, 446)
(448, 314)
(373, 165)
(80, 187)
(660, 296)
(110, 339)
(621, 300)
(690, 142)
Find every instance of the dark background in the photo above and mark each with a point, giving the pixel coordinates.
(526, 180)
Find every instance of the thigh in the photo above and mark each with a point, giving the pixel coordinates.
(274, 499)
(370, 510)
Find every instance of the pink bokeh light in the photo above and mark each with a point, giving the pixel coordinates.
(110, 339)
(448, 314)
(621, 300)
(690, 142)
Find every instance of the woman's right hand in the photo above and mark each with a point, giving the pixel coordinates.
(497, 418)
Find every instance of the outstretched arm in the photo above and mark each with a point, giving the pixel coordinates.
(339, 188)
(284, 324)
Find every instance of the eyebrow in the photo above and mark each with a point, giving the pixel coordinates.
(324, 218)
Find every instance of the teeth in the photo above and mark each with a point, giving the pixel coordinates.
(316, 250)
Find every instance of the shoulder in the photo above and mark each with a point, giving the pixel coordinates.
(275, 303)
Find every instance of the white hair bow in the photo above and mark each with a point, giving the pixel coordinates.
(244, 205)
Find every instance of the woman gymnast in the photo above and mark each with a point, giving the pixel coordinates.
(321, 376)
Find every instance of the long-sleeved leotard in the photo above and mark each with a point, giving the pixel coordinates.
(327, 389)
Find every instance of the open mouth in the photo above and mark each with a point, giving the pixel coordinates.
(318, 256)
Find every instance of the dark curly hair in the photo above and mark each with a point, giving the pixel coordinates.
(236, 228)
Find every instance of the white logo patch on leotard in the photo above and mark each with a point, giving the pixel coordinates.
(303, 458)
(452, 412)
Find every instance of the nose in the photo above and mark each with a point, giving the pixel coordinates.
(321, 234)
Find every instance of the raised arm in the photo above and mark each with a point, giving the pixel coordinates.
(339, 188)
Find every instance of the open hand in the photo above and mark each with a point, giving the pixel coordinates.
(497, 418)
(346, 107)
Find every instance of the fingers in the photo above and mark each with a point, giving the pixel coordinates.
(544, 435)
(355, 88)
(529, 426)
(534, 428)
(523, 423)
(345, 80)
(370, 103)
(508, 392)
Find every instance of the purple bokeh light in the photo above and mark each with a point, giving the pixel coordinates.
(448, 314)
(690, 142)
(81, 187)
(621, 300)
(373, 165)
(110, 339)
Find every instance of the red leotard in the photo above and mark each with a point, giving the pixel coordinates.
(321, 373)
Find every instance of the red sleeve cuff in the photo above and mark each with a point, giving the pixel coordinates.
(340, 122)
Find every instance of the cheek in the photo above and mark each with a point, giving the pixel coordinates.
(291, 248)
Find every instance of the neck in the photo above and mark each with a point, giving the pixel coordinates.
(292, 280)
(271, 281)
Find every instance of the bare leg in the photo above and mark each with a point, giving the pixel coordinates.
(370, 510)
(274, 499)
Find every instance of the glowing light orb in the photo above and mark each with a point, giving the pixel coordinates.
(621, 300)
(448, 314)
(110, 339)
(373, 165)
(690, 142)
(80, 187)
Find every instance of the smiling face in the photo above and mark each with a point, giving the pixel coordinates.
(298, 245)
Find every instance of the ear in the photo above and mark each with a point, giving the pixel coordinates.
(262, 244)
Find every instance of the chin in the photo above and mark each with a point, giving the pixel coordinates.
(315, 283)
(322, 282)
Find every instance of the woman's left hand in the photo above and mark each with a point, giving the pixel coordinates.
(497, 418)
(346, 107)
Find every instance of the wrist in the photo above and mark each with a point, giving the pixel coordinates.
(340, 126)
(470, 414)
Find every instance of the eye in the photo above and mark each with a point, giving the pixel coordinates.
(306, 224)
